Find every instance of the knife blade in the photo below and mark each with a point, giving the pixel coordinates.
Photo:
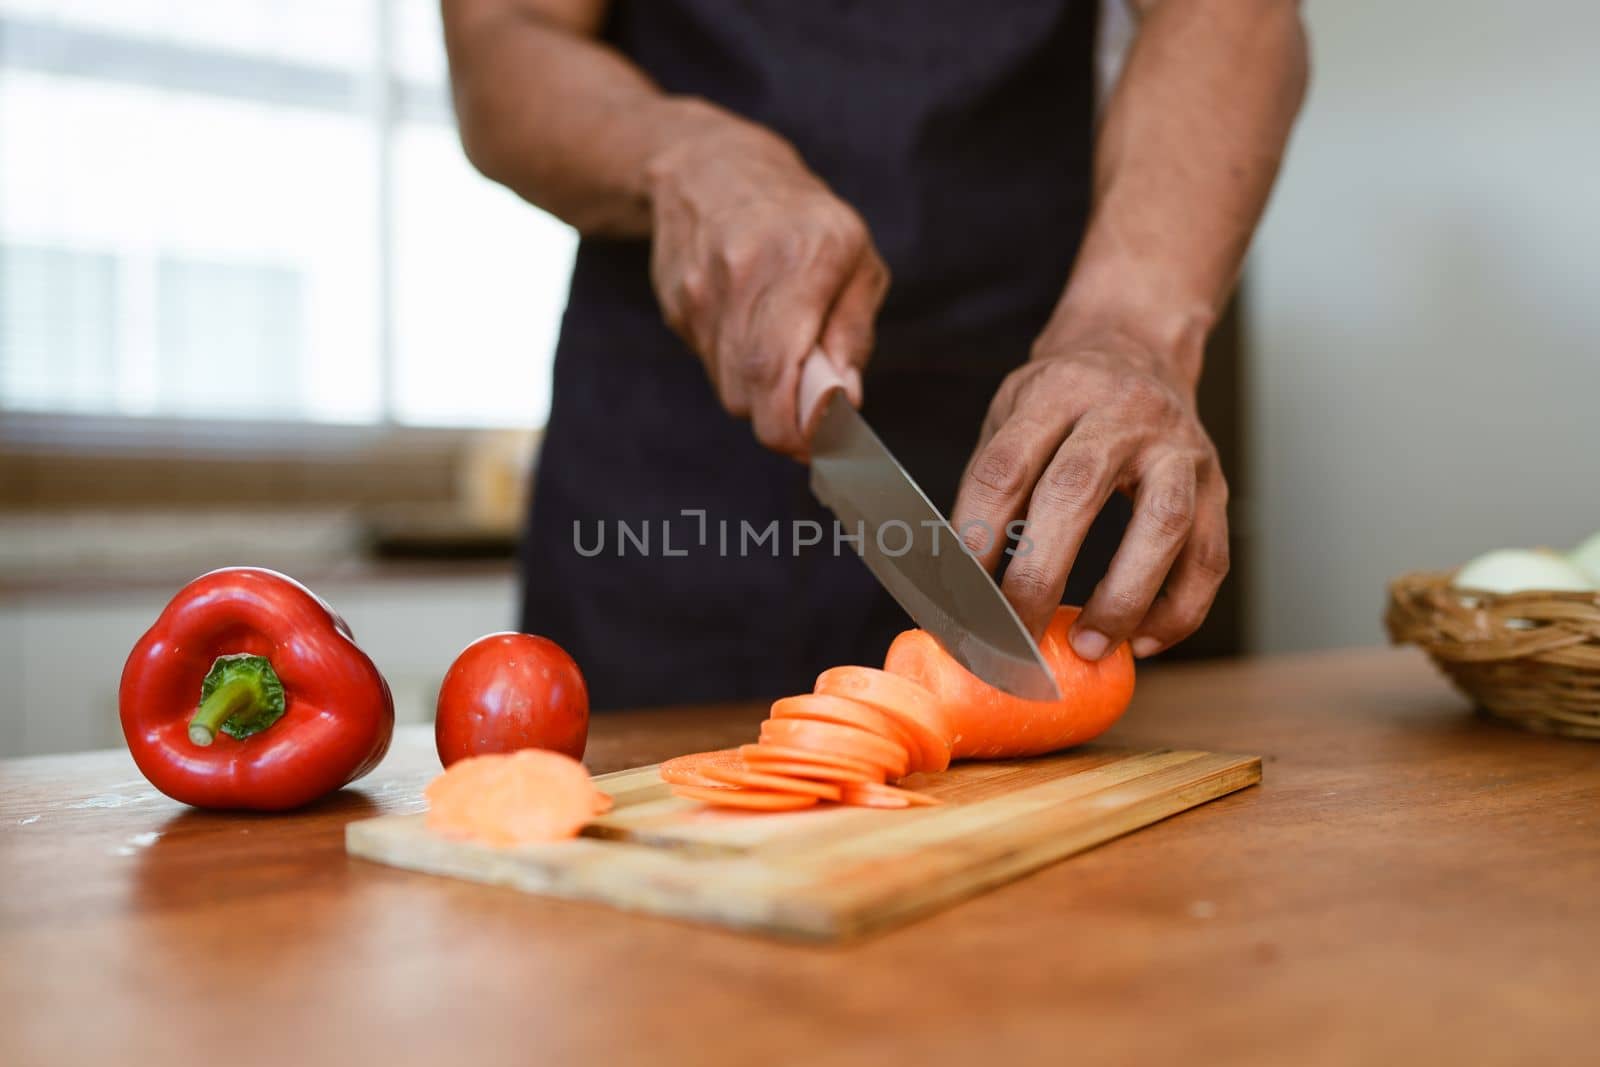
(910, 546)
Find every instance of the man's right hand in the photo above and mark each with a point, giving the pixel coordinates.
(755, 262)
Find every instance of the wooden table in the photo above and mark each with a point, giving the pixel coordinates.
(1409, 883)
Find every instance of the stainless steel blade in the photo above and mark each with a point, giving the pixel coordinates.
(919, 559)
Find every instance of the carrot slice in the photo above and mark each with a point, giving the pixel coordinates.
(845, 712)
(749, 799)
(512, 798)
(603, 802)
(820, 772)
(771, 782)
(877, 795)
(832, 737)
(764, 751)
(690, 769)
(915, 709)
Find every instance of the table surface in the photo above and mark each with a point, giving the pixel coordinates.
(1410, 882)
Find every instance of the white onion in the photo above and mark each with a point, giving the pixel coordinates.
(1586, 557)
(1521, 570)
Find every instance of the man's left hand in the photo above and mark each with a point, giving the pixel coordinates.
(1078, 421)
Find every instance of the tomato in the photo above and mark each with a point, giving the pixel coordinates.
(510, 691)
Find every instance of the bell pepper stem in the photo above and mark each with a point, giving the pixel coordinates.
(240, 697)
(225, 701)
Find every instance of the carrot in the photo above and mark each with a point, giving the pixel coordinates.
(819, 772)
(987, 723)
(916, 710)
(749, 799)
(603, 803)
(877, 795)
(513, 798)
(764, 751)
(772, 782)
(691, 769)
(832, 737)
(863, 726)
(846, 712)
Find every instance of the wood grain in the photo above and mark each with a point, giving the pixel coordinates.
(831, 873)
(1409, 884)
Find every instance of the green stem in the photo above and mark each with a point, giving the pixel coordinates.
(241, 696)
(225, 701)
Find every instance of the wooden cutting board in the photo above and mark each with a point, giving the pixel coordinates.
(830, 873)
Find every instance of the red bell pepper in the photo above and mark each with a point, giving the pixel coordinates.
(250, 692)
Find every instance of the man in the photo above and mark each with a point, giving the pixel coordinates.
(748, 177)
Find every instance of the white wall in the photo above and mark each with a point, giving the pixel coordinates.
(1425, 306)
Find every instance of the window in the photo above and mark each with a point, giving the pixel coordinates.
(259, 209)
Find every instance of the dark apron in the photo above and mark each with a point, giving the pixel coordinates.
(961, 132)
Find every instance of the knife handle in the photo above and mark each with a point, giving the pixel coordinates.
(818, 378)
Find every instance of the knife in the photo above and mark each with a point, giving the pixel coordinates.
(909, 546)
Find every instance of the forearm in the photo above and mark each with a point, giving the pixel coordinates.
(563, 120)
(1190, 144)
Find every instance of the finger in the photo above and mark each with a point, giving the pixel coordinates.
(1070, 493)
(848, 334)
(998, 480)
(1163, 518)
(785, 320)
(1195, 578)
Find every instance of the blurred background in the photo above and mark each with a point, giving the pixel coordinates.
(255, 306)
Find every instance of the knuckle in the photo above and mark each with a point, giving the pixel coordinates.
(1029, 584)
(1141, 393)
(694, 290)
(1074, 480)
(1212, 559)
(849, 229)
(1186, 621)
(1183, 618)
(676, 316)
(1001, 471)
(977, 536)
(881, 275)
(760, 365)
(1223, 491)
(1122, 607)
(1171, 511)
(739, 256)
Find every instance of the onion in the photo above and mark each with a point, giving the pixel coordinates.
(1586, 557)
(1521, 570)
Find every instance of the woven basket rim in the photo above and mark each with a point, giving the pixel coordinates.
(1531, 657)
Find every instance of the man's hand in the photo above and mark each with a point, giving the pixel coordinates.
(1186, 153)
(755, 262)
(1081, 420)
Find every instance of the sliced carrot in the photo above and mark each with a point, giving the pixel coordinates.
(749, 799)
(877, 795)
(914, 708)
(846, 712)
(832, 737)
(820, 772)
(512, 798)
(764, 751)
(603, 802)
(690, 769)
(771, 782)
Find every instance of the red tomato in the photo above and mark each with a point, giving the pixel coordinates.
(510, 691)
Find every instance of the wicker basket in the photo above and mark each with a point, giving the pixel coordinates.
(1530, 658)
